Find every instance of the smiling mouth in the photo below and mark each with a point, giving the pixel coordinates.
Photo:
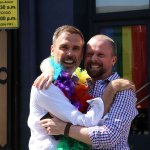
(94, 66)
(68, 62)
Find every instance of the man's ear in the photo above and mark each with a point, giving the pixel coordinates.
(82, 56)
(52, 50)
(114, 60)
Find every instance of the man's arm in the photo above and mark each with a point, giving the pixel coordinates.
(54, 101)
(55, 126)
(46, 76)
(112, 88)
(80, 133)
(108, 135)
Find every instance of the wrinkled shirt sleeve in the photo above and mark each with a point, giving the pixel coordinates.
(54, 101)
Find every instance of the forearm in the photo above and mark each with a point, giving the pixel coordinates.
(55, 126)
(79, 133)
(107, 97)
(112, 88)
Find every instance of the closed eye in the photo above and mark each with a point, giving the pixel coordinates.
(89, 54)
(101, 55)
(76, 48)
(64, 47)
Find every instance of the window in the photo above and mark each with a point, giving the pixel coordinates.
(104, 6)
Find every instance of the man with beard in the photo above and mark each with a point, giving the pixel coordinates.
(67, 50)
(113, 134)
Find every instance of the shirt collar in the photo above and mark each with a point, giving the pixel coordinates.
(113, 77)
(109, 79)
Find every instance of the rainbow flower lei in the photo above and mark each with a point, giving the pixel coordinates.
(72, 87)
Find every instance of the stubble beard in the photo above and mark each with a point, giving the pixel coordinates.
(95, 73)
(70, 68)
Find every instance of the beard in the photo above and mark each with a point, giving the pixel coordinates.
(96, 72)
(70, 64)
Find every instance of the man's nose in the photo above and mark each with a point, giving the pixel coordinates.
(69, 52)
(94, 58)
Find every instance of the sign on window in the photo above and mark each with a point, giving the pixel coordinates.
(9, 14)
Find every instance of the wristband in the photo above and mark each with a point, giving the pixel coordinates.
(66, 131)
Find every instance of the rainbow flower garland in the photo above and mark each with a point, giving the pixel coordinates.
(72, 87)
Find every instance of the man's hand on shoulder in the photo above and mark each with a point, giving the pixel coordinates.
(45, 78)
(120, 85)
(112, 88)
(47, 75)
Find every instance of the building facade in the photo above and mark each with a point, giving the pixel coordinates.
(23, 49)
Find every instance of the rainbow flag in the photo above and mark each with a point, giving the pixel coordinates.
(131, 53)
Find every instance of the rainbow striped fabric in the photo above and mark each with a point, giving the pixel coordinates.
(131, 53)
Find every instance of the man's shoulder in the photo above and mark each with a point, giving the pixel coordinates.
(127, 93)
(113, 76)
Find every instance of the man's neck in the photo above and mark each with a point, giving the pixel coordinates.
(102, 77)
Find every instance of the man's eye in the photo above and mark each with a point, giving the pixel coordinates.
(64, 47)
(89, 54)
(76, 48)
(101, 55)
